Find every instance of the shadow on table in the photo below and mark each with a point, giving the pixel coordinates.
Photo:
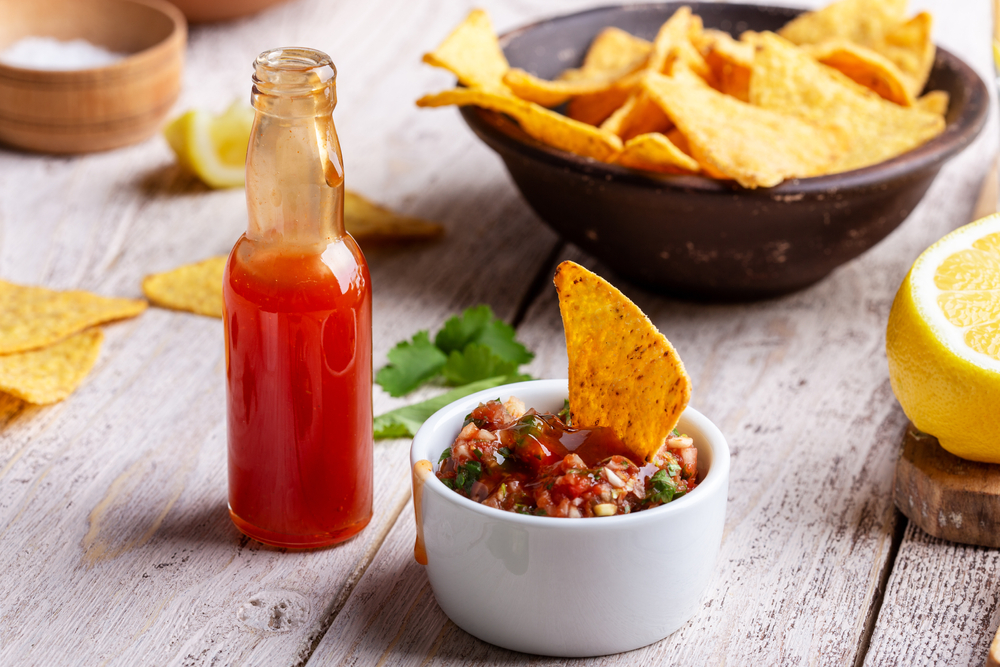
(407, 621)
(169, 180)
(205, 525)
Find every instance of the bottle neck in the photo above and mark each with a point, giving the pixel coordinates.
(295, 175)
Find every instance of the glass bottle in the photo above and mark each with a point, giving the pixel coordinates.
(297, 308)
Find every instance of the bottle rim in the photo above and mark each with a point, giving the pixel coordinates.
(293, 70)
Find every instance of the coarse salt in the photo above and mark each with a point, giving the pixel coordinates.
(49, 53)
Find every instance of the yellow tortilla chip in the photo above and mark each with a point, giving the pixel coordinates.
(51, 373)
(909, 47)
(786, 79)
(544, 125)
(595, 108)
(196, 288)
(34, 317)
(639, 115)
(671, 32)
(865, 67)
(472, 53)
(859, 21)
(672, 45)
(370, 223)
(879, 25)
(678, 139)
(756, 147)
(613, 54)
(623, 373)
(935, 101)
(655, 152)
(730, 61)
(551, 93)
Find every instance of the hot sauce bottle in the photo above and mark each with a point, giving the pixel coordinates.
(297, 308)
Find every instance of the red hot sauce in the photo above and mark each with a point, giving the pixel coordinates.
(297, 308)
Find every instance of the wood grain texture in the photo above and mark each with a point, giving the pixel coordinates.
(93, 109)
(800, 387)
(941, 605)
(946, 496)
(115, 545)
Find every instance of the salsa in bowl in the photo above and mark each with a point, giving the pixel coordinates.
(514, 458)
(554, 586)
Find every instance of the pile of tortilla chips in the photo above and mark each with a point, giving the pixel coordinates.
(47, 345)
(834, 90)
(623, 373)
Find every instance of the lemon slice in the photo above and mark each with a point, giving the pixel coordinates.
(943, 341)
(213, 147)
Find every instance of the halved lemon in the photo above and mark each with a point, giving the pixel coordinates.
(213, 147)
(943, 341)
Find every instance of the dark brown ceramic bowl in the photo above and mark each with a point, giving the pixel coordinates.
(695, 237)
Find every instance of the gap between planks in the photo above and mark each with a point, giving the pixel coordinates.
(537, 284)
(899, 523)
(335, 607)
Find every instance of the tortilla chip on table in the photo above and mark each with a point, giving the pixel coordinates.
(50, 374)
(34, 317)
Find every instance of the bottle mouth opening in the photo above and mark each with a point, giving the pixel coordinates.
(293, 70)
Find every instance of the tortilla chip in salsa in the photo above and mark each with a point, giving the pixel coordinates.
(623, 373)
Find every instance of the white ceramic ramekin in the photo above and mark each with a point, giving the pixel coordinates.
(569, 587)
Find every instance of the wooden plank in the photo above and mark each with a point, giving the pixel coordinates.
(116, 546)
(808, 520)
(941, 607)
(800, 387)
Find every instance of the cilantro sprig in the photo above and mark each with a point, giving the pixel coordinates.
(473, 351)
(663, 489)
(403, 422)
(473, 346)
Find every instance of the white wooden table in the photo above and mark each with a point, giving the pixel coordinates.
(115, 544)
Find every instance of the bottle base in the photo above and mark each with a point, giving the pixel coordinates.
(284, 541)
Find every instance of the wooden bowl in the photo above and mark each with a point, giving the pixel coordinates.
(199, 11)
(695, 237)
(79, 111)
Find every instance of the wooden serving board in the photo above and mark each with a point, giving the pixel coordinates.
(948, 497)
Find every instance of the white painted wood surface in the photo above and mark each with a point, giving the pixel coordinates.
(115, 545)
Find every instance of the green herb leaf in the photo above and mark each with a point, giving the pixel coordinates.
(480, 325)
(470, 472)
(404, 422)
(499, 337)
(564, 414)
(475, 362)
(662, 487)
(411, 363)
(463, 329)
(445, 455)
